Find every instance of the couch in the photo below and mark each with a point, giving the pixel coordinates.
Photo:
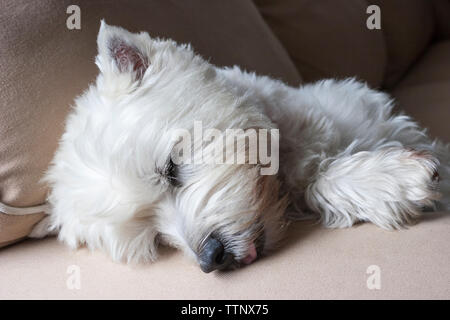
(44, 65)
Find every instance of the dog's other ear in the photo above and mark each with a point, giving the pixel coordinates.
(123, 52)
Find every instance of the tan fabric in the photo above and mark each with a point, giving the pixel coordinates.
(43, 66)
(433, 67)
(424, 93)
(315, 263)
(13, 228)
(408, 26)
(328, 38)
(442, 14)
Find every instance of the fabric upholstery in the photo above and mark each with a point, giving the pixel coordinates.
(408, 27)
(314, 263)
(328, 38)
(424, 93)
(16, 227)
(44, 65)
(442, 15)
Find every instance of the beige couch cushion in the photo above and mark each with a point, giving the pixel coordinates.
(328, 38)
(408, 26)
(13, 228)
(442, 14)
(315, 263)
(43, 66)
(424, 93)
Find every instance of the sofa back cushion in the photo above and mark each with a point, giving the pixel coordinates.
(328, 38)
(408, 27)
(442, 14)
(44, 65)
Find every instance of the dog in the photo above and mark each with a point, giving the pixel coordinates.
(343, 158)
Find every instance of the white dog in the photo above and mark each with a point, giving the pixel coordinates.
(342, 157)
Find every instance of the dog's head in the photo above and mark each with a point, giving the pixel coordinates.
(165, 142)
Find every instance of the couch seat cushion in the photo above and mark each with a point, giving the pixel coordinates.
(314, 263)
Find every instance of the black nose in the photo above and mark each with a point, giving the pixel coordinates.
(214, 256)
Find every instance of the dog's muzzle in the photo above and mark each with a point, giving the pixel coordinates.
(214, 256)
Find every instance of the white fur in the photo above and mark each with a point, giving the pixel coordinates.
(343, 156)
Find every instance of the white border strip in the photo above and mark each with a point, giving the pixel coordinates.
(17, 211)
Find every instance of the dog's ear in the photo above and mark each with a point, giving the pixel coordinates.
(120, 51)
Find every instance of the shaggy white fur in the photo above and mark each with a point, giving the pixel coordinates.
(343, 157)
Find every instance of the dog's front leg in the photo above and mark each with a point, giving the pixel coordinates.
(387, 187)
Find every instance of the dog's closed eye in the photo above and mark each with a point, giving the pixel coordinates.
(171, 173)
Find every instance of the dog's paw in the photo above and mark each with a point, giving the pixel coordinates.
(414, 187)
(421, 177)
(388, 187)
